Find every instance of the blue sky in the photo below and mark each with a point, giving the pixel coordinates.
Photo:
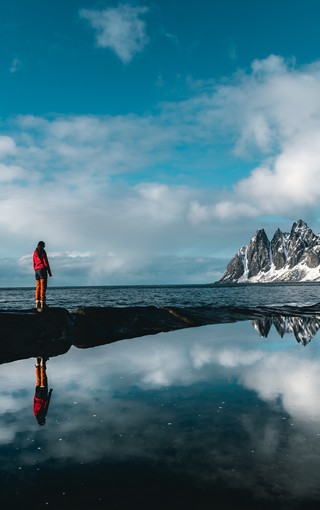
(145, 142)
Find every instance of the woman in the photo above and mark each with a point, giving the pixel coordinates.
(42, 269)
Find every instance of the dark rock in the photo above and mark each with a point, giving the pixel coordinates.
(236, 266)
(26, 334)
(95, 326)
(258, 254)
(278, 249)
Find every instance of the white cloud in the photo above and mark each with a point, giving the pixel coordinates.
(102, 145)
(271, 65)
(121, 187)
(226, 209)
(69, 164)
(119, 28)
(271, 118)
(11, 173)
(7, 146)
(277, 121)
(293, 180)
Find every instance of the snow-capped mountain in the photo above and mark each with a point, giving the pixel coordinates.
(293, 257)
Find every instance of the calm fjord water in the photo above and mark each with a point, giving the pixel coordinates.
(210, 417)
(172, 295)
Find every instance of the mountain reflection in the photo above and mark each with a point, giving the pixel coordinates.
(303, 328)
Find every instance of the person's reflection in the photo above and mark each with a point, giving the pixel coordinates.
(42, 395)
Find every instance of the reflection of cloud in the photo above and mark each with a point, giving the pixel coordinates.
(186, 393)
(180, 358)
(288, 377)
(14, 400)
(226, 357)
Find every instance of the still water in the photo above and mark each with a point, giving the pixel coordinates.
(203, 418)
(173, 295)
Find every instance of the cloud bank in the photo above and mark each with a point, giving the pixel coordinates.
(273, 115)
(130, 189)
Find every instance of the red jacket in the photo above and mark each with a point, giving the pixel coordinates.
(40, 405)
(40, 261)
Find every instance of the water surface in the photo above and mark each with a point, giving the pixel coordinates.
(300, 294)
(210, 417)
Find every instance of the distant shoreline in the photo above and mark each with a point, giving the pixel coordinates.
(167, 285)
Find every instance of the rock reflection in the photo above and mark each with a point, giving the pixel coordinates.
(303, 328)
(42, 395)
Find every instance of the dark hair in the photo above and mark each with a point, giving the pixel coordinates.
(40, 246)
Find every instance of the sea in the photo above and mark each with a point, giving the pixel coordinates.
(216, 416)
(296, 294)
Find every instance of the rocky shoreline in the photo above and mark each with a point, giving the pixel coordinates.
(27, 333)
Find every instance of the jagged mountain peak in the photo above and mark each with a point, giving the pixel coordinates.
(293, 256)
(300, 228)
(260, 234)
(299, 224)
(278, 232)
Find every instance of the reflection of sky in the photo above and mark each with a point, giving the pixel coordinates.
(215, 402)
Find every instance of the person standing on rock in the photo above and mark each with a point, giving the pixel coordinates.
(42, 270)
